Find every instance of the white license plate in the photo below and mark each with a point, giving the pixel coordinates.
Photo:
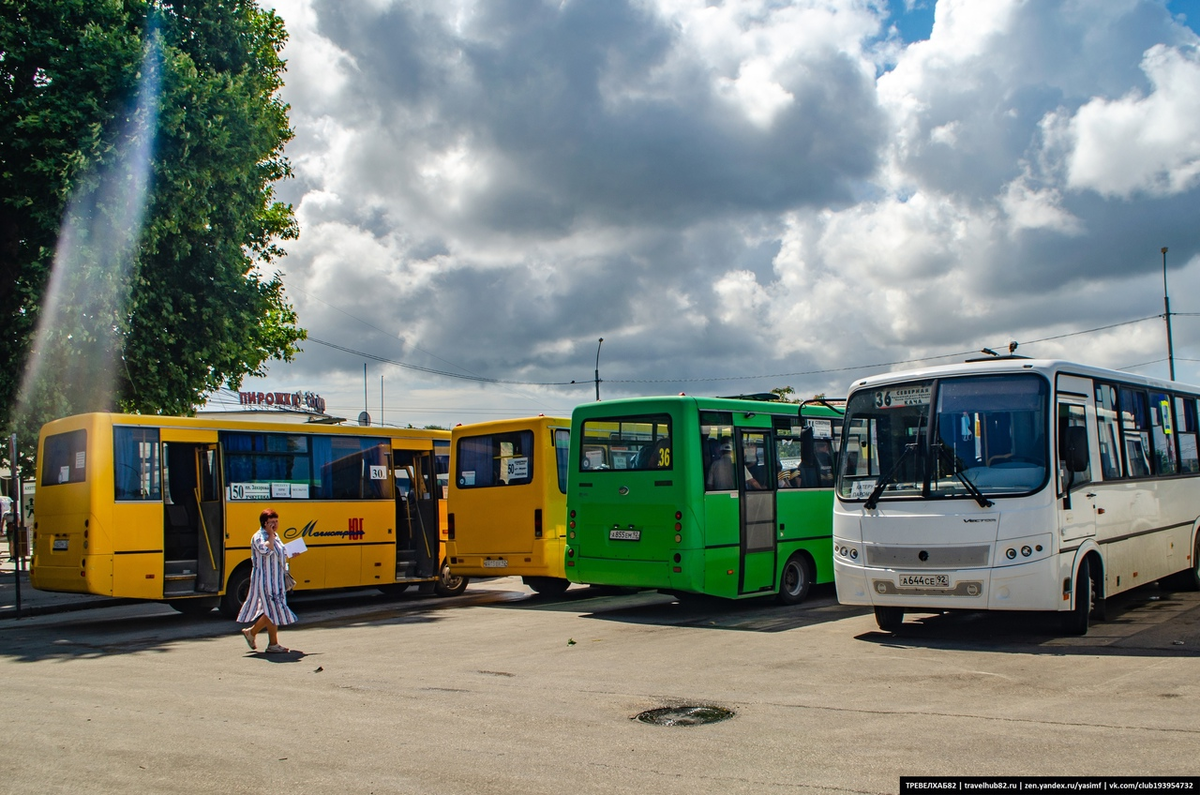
(495, 564)
(624, 535)
(60, 545)
(924, 581)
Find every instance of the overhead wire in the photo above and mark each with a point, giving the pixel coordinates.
(709, 379)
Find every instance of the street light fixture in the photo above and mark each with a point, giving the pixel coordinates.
(1167, 314)
(598, 367)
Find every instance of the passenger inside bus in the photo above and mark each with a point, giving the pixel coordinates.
(755, 472)
(720, 473)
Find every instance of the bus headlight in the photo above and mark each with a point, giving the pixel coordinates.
(847, 551)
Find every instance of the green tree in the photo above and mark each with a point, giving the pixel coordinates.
(140, 143)
(785, 394)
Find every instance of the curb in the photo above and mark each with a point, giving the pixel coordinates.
(30, 611)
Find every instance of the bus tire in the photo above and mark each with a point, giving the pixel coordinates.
(1075, 621)
(1188, 579)
(195, 607)
(547, 586)
(447, 583)
(795, 580)
(889, 619)
(236, 592)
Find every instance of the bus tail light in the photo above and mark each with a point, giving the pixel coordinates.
(537, 522)
(449, 527)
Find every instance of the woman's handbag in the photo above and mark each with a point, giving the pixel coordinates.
(289, 582)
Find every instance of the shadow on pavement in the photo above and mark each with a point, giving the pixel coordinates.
(1144, 622)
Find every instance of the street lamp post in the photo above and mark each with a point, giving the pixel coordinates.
(1167, 312)
(598, 367)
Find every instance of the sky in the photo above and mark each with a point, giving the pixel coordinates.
(736, 196)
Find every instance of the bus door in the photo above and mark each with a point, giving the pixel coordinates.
(210, 569)
(1076, 492)
(193, 527)
(417, 538)
(756, 486)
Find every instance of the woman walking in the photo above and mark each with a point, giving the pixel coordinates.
(266, 604)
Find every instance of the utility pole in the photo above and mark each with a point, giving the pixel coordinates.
(1167, 314)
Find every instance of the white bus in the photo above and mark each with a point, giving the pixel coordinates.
(1015, 484)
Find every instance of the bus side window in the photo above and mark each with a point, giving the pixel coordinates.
(1074, 464)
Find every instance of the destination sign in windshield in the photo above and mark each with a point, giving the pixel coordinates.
(904, 396)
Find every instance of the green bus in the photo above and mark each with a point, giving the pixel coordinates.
(727, 497)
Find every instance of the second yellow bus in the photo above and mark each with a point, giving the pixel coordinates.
(506, 504)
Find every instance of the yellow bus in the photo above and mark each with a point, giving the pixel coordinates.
(507, 501)
(163, 508)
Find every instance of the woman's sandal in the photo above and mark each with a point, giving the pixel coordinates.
(275, 648)
(249, 636)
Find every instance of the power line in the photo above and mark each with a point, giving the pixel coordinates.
(820, 371)
(433, 371)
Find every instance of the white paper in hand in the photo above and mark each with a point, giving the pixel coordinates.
(294, 548)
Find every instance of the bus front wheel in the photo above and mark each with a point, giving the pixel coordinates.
(889, 619)
(795, 580)
(237, 590)
(447, 583)
(1075, 622)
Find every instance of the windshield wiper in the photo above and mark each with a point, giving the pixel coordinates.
(955, 470)
(873, 498)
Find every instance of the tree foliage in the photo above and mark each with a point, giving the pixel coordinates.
(142, 140)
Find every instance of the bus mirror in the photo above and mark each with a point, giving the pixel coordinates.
(1075, 448)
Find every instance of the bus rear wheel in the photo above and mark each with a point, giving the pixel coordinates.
(237, 590)
(547, 586)
(795, 580)
(889, 619)
(449, 584)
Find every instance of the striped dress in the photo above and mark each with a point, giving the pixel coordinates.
(268, 594)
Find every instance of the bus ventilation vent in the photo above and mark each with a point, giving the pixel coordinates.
(684, 715)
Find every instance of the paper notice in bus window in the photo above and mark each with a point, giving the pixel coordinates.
(299, 491)
(861, 489)
(80, 459)
(822, 429)
(378, 473)
(281, 491)
(518, 468)
(466, 478)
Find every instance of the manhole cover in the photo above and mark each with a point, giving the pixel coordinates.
(684, 716)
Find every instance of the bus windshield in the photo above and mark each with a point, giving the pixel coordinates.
(957, 437)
